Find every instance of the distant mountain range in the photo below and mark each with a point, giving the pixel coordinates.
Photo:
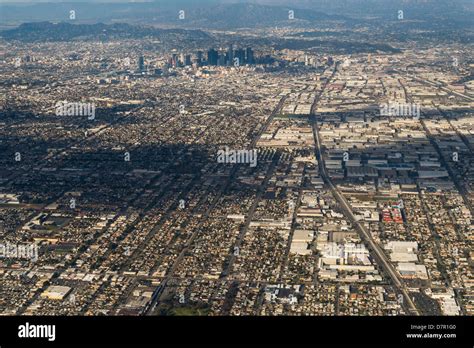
(54, 32)
(235, 14)
(47, 31)
(253, 15)
(207, 14)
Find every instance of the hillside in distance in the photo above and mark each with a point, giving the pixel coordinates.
(47, 31)
(252, 15)
(199, 15)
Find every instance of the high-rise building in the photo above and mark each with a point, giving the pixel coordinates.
(249, 56)
(222, 59)
(212, 57)
(187, 60)
(141, 64)
(175, 60)
(230, 55)
(199, 58)
(240, 54)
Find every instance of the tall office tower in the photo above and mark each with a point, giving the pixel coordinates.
(230, 55)
(141, 64)
(249, 56)
(175, 60)
(182, 60)
(240, 53)
(199, 58)
(222, 59)
(212, 57)
(187, 60)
